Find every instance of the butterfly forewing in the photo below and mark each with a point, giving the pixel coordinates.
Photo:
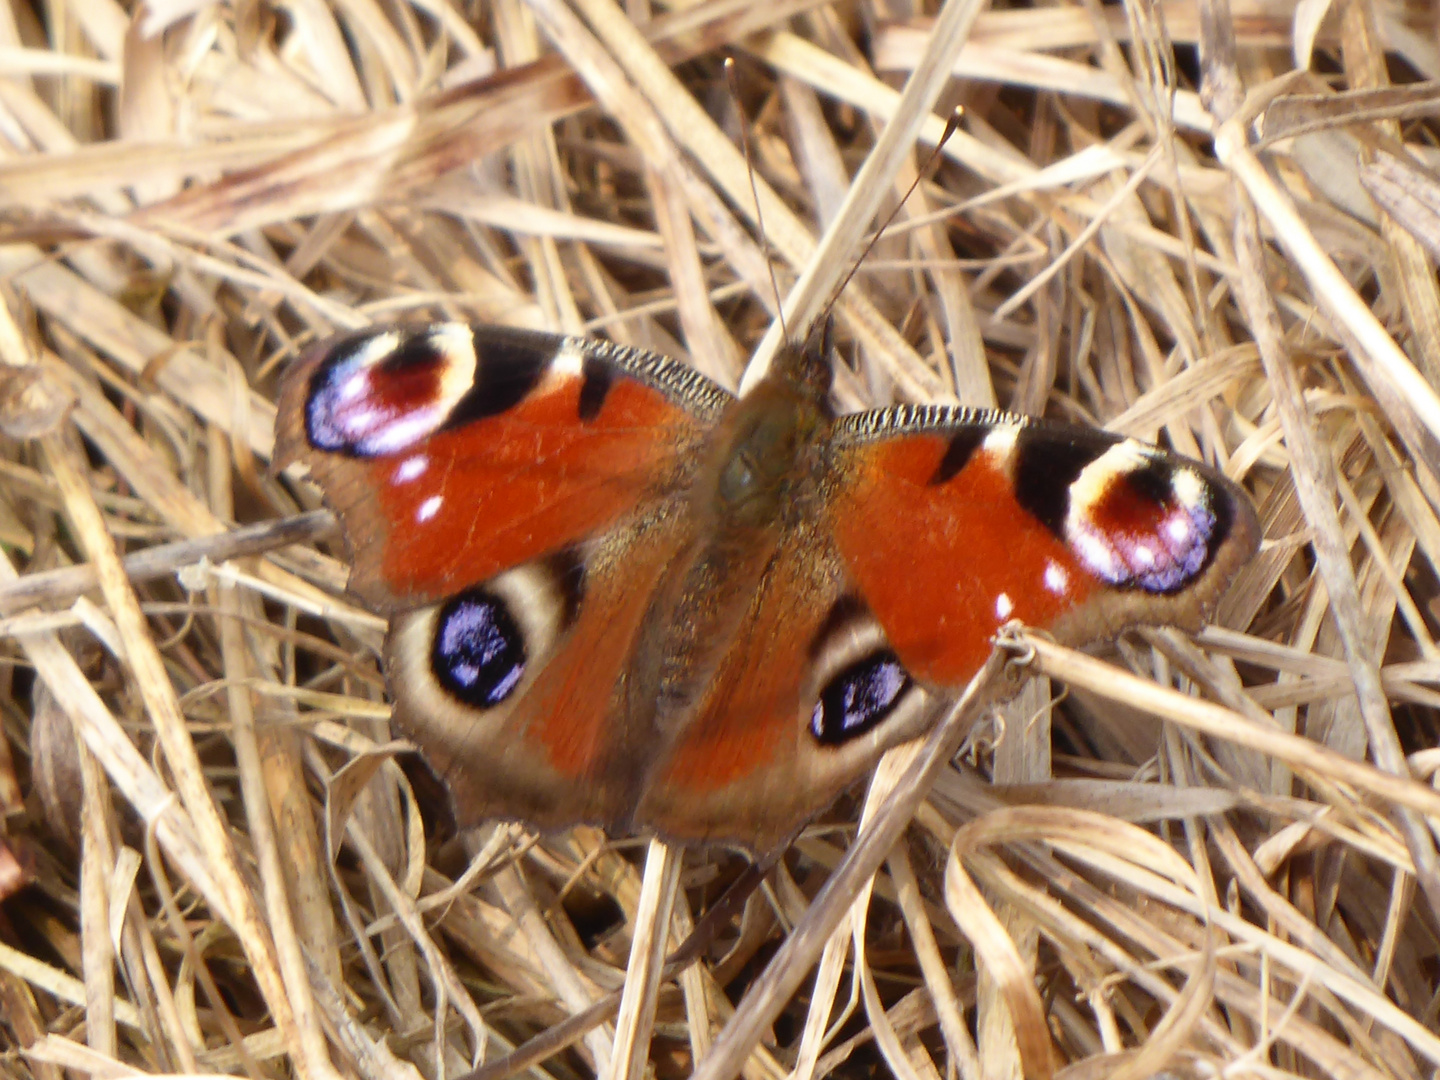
(953, 522)
(454, 452)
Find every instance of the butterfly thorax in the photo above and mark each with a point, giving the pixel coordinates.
(754, 472)
(768, 439)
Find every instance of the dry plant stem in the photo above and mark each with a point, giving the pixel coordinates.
(636, 1018)
(693, 981)
(97, 865)
(130, 773)
(116, 440)
(1008, 1026)
(1402, 892)
(373, 1058)
(1313, 471)
(904, 1063)
(937, 975)
(1408, 399)
(570, 1030)
(1283, 914)
(1315, 484)
(885, 1035)
(127, 339)
(687, 123)
(662, 94)
(449, 991)
(183, 941)
(836, 250)
(1408, 194)
(241, 708)
(339, 164)
(668, 177)
(705, 338)
(58, 1051)
(136, 460)
(828, 974)
(1364, 57)
(149, 965)
(1117, 685)
(335, 817)
(821, 1020)
(1292, 963)
(549, 1042)
(59, 985)
(1301, 113)
(1121, 195)
(1151, 866)
(566, 982)
(791, 964)
(803, 60)
(153, 682)
(1023, 1038)
(63, 585)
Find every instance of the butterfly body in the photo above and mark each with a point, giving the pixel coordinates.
(620, 595)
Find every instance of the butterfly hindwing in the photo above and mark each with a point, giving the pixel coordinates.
(453, 453)
(514, 688)
(955, 521)
(805, 697)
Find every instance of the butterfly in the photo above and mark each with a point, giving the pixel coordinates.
(620, 595)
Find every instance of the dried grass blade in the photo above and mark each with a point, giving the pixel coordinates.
(636, 1018)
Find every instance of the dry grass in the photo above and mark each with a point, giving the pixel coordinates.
(228, 871)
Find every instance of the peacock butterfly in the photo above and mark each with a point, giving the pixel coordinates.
(620, 595)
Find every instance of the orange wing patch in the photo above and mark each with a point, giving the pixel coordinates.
(944, 565)
(474, 500)
(571, 710)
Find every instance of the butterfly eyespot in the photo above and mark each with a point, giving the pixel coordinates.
(1132, 517)
(1152, 528)
(858, 698)
(478, 653)
(382, 392)
(484, 641)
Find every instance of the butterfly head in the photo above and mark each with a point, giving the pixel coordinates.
(804, 367)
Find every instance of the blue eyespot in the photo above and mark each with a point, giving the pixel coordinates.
(858, 698)
(479, 653)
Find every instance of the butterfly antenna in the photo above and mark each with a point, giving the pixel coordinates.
(734, 83)
(952, 125)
